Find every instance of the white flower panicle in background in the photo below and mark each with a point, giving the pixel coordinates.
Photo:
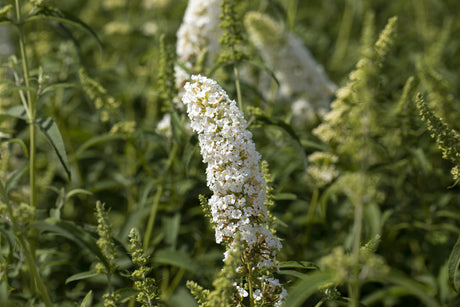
(237, 205)
(198, 34)
(297, 71)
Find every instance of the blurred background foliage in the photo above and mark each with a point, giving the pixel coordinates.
(108, 104)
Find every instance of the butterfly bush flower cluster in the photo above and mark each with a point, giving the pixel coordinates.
(198, 35)
(237, 205)
(300, 77)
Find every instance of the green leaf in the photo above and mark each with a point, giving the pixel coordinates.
(88, 300)
(373, 218)
(10, 238)
(57, 86)
(293, 273)
(4, 292)
(4, 21)
(380, 295)
(73, 232)
(73, 192)
(3, 193)
(452, 264)
(17, 88)
(288, 129)
(188, 152)
(51, 131)
(21, 144)
(51, 13)
(82, 275)
(175, 258)
(285, 196)
(14, 178)
(307, 265)
(265, 68)
(171, 227)
(16, 112)
(281, 124)
(100, 139)
(305, 287)
(125, 294)
(312, 144)
(415, 288)
(176, 127)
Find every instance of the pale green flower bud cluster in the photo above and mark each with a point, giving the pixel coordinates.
(359, 187)
(103, 102)
(104, 230)
(341, 264)
(447, 139)
(110, 299)
(23, 215)
(321, 169)
(146, 286)
(125, 128)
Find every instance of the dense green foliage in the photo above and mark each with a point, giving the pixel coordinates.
(100, 199)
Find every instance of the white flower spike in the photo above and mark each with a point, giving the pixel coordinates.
(233, 175)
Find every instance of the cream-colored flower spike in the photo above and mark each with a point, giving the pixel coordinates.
(295, 68)
(237, 206)
(199, 33)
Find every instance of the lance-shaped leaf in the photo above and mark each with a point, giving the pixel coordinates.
(88, 300)
(16, 112)
(73, 232)
(82, 275)
(305, 287)
(51, 131)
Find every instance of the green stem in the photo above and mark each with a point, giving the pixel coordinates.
(175, 282)
(31, 107)
(238, 88)
(151, 221)
(251, 290)
(341, 44)
(247, 266)
(29, 249)
(291, 13)
(311, 214)
(357, 230)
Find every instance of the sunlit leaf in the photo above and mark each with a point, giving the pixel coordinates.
(88, 300)
(74, 192)
(82, 275)
(16, 111)
(51, 131)
(56, 86)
